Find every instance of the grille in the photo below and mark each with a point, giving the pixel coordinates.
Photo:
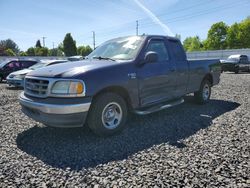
(36, 87)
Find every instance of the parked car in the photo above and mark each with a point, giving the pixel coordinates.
(236, 63)
(142, 74)
(75, 58)
(9, 66)
(17, 78)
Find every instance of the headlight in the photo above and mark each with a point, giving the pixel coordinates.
(19, 76)
(68, 88)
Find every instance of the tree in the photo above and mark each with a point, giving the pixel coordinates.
(55, 52)
(10, 52)
(233, 34)
(41, 51)
(84, 50)
(9, 44)
(88, 50)
(216, 38)
(23, 53)
(192, 44)
(244, 34)
(69, 45)
(38, 44)
(31, 51)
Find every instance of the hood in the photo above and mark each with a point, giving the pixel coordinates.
(71, 69)
(21, 72)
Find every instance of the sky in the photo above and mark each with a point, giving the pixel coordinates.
(26, 21)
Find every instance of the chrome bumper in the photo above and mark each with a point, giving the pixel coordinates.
(55, 113)
(53, 108)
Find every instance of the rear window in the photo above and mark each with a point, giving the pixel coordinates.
(177, 50)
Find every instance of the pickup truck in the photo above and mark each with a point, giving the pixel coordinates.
(140, 74)
(236, 63)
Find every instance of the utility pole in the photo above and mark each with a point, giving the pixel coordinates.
(137, 27)
(44, 41)
(93, 39)
(53, 45)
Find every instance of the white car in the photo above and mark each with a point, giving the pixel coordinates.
(17, 78)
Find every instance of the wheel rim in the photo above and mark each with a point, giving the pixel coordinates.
(206, 92)
(111, 115)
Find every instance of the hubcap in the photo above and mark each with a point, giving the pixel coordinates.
(206, 92)
(111, 115)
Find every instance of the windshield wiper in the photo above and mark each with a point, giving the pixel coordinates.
(104, 58)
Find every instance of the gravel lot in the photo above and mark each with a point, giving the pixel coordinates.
(188, 145)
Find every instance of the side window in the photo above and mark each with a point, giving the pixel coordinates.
(243, 59)
(159, 47)
(18, 65)
(10, 65)
(177, 50)
(27, 64)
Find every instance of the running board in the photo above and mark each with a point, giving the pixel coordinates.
(159, 107)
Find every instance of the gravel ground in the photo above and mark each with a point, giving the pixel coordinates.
(189, 145)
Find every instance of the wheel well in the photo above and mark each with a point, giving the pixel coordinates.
(117, 90)
(209, 78)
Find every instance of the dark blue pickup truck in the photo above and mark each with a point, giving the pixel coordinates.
(142, 74)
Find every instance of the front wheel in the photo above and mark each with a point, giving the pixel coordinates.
(108, 114)
(203, 95)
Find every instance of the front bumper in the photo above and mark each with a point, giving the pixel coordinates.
(56, 113)
(15, 82)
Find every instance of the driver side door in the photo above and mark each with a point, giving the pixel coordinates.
(156, 80)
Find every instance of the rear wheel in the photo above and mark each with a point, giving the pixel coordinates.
(236, 71)
(203, 95)
(108, 114)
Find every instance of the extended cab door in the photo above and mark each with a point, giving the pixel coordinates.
(178, 56)
(156, 80)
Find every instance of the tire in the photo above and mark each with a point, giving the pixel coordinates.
(108, 114)
(1, 78)
(236, 71)
(203, 95)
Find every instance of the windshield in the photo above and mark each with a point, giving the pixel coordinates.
(125, 48)
(38, 65)
(3, 63)
(232, 59)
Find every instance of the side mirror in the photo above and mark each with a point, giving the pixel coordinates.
(151, 57)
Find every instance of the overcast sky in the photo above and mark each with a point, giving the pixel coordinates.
(26, 21)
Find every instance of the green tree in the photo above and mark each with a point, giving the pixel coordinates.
(216, 38)
(88, 50)
(10, 52)
(233, 34)
(38, 44)
(23, 53)
(244, 34)
(69, 45)
(9, 44)
(55, 52)
(41, 51)
(31, 51)
(84, 50)
(192, 44)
